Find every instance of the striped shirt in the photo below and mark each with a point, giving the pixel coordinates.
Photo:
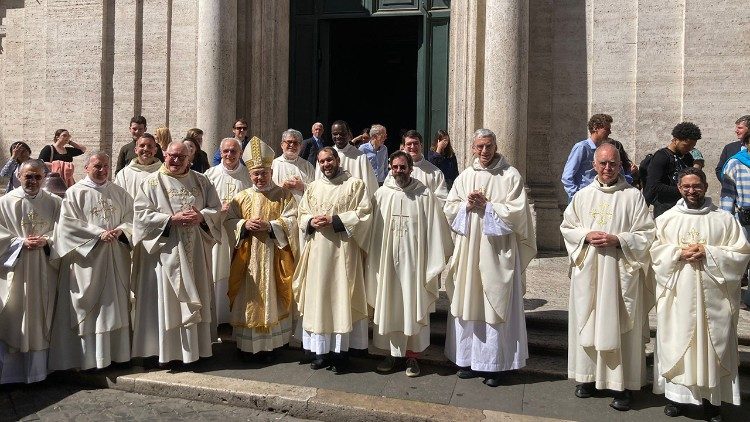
(735, 186)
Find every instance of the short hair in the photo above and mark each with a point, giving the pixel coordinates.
(97, 154)
(138, 120)
(686, 130)
(599, 121)
(412, 134)
(744, 120)
(332, 150)
(240, 120)
(294, 133)
(485, 133)
(58, 132)
(608, 145)
(147, 136)
(194, 132)
(376, 129)
(20, 143)
(176, 143)
(624, 158)
(687, 171)
(235, 140)
(34, 163)
(342, 123)
(401, 154)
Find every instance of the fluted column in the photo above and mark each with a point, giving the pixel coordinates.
(488, 79)
(216, 100)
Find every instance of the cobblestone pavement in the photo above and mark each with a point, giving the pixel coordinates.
(49, 402)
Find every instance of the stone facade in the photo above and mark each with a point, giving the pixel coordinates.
(531, 70)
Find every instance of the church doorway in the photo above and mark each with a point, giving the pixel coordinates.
(369, 62)
(372, 73)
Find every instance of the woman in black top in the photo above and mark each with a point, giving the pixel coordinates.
(62, 149)
(441, 154)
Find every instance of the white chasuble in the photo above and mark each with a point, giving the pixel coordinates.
(285, 169)
(410, 243)
(228, 183)
(483, 265)
(356, 163)
(697, 304)
(328, 284)
(132, 175)
(98, 283)
(609, 297)
(260, 281)
(182, 272)
(28, 285)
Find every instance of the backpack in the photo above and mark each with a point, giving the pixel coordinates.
(643, 169)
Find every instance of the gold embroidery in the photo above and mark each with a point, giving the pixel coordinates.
(692, 237)
(32, 222)
(602, 214)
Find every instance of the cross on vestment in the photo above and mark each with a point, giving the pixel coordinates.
(692, 237)
(31, 221)
(186, 198)
(399, 228)
(602, 213)
(231, 190)
(105, 208)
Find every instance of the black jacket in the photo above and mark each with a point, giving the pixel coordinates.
(661, 181)
(309, 150)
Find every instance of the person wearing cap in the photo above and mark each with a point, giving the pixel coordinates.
(229, 178)
(28, 278)
(177, 218)
(262, 222)
(329, 286)
(91, 327)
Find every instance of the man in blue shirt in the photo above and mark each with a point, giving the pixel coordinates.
(579, 171)
(377, 152)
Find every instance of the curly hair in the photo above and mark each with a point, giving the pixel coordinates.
(686, 130)
(598, 121)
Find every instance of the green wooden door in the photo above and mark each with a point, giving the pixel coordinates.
(309, 75)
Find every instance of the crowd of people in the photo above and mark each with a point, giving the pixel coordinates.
(327, 237)
(686, 256)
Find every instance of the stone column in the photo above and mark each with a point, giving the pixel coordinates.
(488, 75)
(216, 100)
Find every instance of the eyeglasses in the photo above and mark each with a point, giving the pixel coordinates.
(177, 157)
(240, 128)
(33, 177)
(292, 142)
(611, 164)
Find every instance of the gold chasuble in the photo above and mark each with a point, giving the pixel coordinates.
(260, 278)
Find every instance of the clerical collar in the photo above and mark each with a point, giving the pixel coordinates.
(266, 188)
(607, 185)
(227, 170)
(29, 196)
(163, 169)
(92, 184)
(708, 205)
(147, 167)
(289, 160)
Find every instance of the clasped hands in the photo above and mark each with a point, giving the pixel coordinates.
(294, 183)
(320, 221)
(191, 217)
(34, 242)
(693, 253)
(599, 239)
(110, 235)
(476, 200)
(255, 224)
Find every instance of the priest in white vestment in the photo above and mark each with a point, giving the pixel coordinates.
(290, 171)
(608, 231)
(410, 243)
(424, 171)
(28, 276)
(263, 219)
(229, 178)
(328, 284)
(144, 163)
(91, 328)
(488, 210)
(354, 161)
(698, 259)
(177, 215)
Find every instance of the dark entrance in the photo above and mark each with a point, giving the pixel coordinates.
(369, 61)
(373, 73)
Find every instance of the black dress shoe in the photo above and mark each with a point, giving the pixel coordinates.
(622, 401)
(710, 412)
(492, 380)
(466, 373)
(585, 390)
(319, 362)
(339, 363)
(672, 410)
(307, 357)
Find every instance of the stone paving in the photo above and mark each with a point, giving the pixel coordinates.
(55, 401)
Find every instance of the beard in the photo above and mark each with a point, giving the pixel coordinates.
(402, 179)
